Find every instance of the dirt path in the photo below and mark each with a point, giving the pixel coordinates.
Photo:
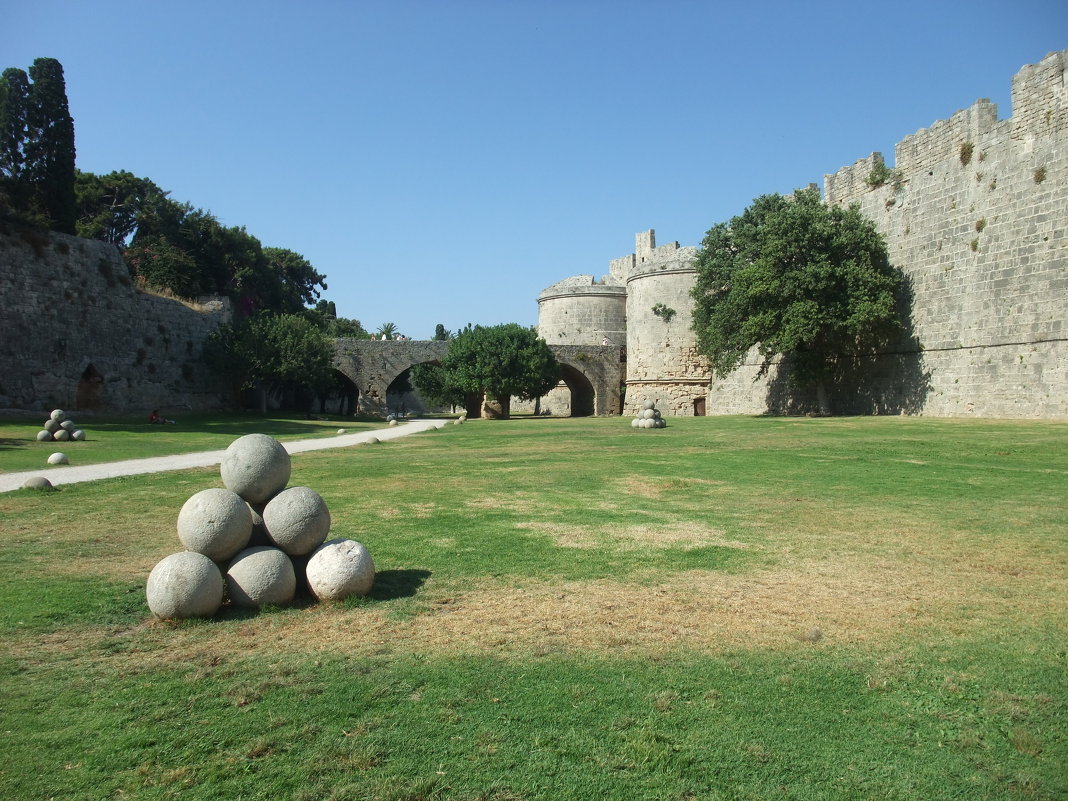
(71, 474)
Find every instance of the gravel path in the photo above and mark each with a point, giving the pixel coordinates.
(71, 474)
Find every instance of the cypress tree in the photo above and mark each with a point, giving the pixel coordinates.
(14, 96)
(50, 145)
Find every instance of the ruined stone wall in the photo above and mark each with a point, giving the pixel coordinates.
(76, 334)
(975, 212)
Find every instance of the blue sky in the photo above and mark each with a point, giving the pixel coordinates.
(446, 161)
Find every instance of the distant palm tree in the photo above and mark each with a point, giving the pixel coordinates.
(388, 330)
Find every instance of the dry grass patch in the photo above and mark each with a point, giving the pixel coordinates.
(685, 534)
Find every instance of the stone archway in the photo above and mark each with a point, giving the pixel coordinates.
(90, 393)
(583, 397)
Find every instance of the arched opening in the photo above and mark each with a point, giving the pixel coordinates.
(401, 398)
(90, 394)
(698, 407)
(342, 395)
(582, 394)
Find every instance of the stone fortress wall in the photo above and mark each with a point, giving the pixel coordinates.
(975, 213)
(75, 333)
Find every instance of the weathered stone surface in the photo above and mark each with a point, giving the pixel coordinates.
(340, 569)
(58, 458)
(38, 483)
(62, 435)
(184, 584)
(215, 522)
(256, 467)
(297, 520)
(58, 415)
(44, 436)
(261, 575)
(51, 426)
(78, 435)
(67, 424)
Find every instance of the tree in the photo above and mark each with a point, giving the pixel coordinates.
(431, 381)
(271, 351)
(501, 361)
(14, 99)
(794, 277)
(441, 334)
(49, 151)
(387, 331)
(297, 277)
(111, 207)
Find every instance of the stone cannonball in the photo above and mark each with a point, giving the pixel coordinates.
(67, 424)
(51, 426)
(62, 435)
(216, 523)
(256, 467)
(44, 436)
(58, 458)
(393, 422)
(373, 440)
(661, 422)
(339, 569)
(58, 415)
(183, 585)
(78, 435)
(297, 520)
(341, 431)
(38, 483)
(261, 575)
(648, 414)
(648, 405)
(635, 422)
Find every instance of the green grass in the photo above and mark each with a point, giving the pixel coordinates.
(729, 608)
(110, 439)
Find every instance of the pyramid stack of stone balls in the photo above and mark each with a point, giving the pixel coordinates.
(648, 417)
(251, 540)
(59, 428)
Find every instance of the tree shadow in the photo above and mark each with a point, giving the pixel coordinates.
(891, 380)
(392, 584)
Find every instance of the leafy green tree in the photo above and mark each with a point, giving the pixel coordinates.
(431, 381)
(387, 331)
(111, 207)
(271, 352)
(795, 277)
(14, 99)
(441, 334)
(502, 361)
(325, 312)
(49, 150)
(158, 264)
(297, 278)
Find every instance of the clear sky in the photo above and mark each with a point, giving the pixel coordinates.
(445, 161)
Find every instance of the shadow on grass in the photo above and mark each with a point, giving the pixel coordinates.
(391, 584)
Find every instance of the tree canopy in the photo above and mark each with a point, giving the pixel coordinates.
(793, 276)
(502, 361)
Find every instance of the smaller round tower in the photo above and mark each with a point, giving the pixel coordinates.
(582, 311)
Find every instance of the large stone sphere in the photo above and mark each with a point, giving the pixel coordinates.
(62, 435)
(649, 405)
(44, 436)
(58, 415)
(51, 426)
(38, 483)
(297, 520)
(58, 458)
(340, 569)
(183, 585)
(635, 422)
(261, 575)
(67, 424)
(216, 523)
(648, 414)
(78, 435)
(256, 467)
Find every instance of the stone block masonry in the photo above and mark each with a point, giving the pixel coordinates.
(76, 333)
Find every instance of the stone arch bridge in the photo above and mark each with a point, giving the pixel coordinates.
(593, 374)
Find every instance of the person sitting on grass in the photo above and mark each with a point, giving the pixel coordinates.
(155, 418)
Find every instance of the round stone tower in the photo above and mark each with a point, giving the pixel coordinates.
(663, 364)
(582, 311)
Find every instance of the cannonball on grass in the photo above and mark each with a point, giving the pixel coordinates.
(58, 458)
(51, 426)
(341, 431)
(185, 584)
(261, 575)
(648, 405)
(78, 435)
(635, 422)
(38, 483)
(340, 569)
(67, 424)
(373, 440)
(44, 436)
(393, 422)
(215, 522)
(297, 520)
(62, 435)
(256, 467)
(58, 415)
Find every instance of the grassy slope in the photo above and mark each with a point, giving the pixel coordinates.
(728, 608)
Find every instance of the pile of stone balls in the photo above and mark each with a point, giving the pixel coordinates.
(59, 428)
(251, 541)
(648, 417)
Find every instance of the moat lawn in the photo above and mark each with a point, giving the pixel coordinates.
(729, 608)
